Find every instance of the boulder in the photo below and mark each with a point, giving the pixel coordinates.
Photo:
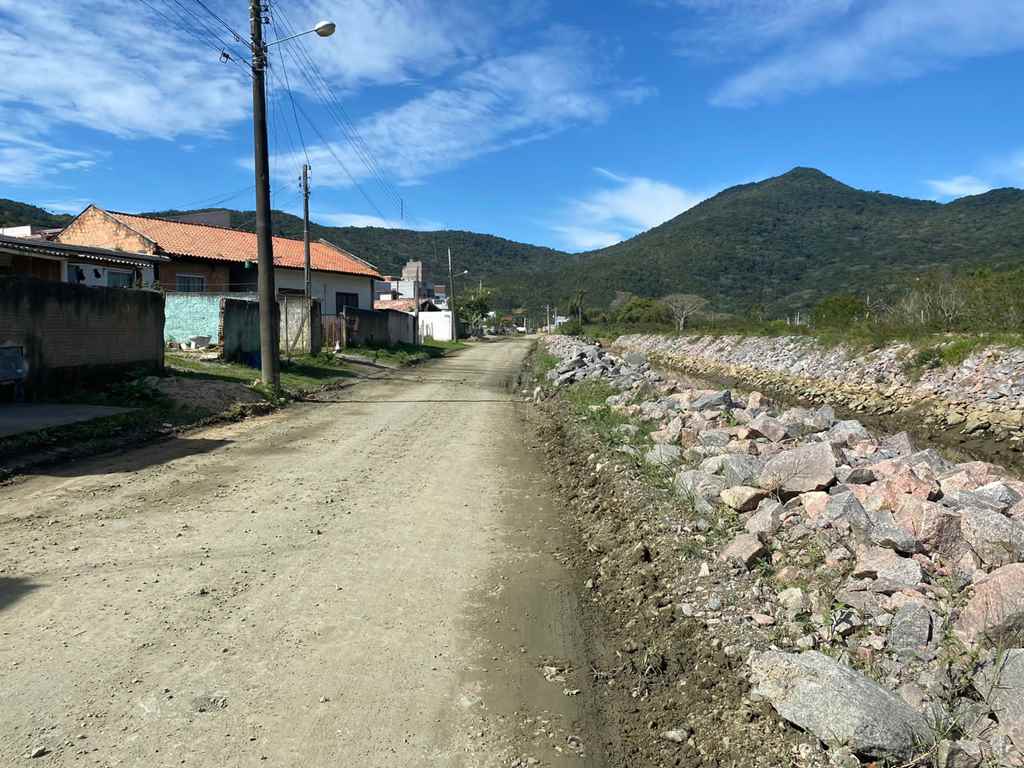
(745, 548)
(899, 444)
(718, 438)
(793, 601)
(808, 468)
(814, 504)
(801, 421)
(911, 629)
(839, 705)
(767, 427)
(669, 434)
(847, 432)
(885, 565)
(999, 493)
(694, 482)
(766, 519)
(958, 754)
(875, 526)
(663, 455)
(934, 527)
(721, 399)
(969, 476)
(996, 539)
(735, 469)
(996, 607)
(742, 498)
(1001, 685)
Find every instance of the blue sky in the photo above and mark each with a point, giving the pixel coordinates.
(565, 123)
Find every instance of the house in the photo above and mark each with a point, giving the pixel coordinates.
(78, 264)
(202, 258)
(406, 305)
(415, 281)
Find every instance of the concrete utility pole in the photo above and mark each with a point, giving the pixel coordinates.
(270, 354)
(305, 228)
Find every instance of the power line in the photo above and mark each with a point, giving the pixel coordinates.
(204, 35)
(320, 87)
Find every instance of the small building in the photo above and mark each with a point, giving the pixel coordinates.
(77, 264)
(202, 258)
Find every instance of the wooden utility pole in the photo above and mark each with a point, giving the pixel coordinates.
(305, 230)
(270, 362)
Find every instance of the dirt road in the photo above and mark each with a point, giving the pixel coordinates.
(371, 580)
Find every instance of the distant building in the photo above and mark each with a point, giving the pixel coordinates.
(77, 264)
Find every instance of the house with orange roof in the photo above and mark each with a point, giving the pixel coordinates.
(202, 258)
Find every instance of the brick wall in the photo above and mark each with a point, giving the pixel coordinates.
(96, 227)
(216, 274)
(74, 332)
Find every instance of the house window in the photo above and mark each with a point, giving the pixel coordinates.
(120, 278)
(342, 300)
(190, 283)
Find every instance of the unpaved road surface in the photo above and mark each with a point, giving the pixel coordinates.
(376, 579)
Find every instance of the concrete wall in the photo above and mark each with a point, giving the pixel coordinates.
(191, 314)
(240, 331)
(301, 332)
(401, 327)
(216, 274)
(437, 325)
(325, 285)
(71, 333)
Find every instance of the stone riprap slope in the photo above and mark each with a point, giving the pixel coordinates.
(982, 395)
(875, 589)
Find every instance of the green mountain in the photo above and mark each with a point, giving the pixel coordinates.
(485, 256)
(788, 241)
(782, 243)
(13, 214)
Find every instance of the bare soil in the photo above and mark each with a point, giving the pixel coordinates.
(382, 577)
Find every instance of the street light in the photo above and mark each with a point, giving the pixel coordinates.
(270, 348)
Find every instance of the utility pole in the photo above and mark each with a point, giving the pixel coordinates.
(270, 353)
(416, 310)
(305, 229)
(547, 325)
(451, 298)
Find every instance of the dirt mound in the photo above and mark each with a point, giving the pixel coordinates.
(208, 394)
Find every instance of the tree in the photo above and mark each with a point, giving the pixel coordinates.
(839, 311)
(576, 305)
(683, 306)
(473, 307)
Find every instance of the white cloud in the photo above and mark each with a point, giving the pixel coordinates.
(346, 219)
(611, 214)
(1004, 171)
(26, 156)
(958, 186)
(806, 45)
(500, 103)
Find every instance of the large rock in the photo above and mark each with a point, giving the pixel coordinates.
(800, 421)
(936, 528)
(742, 498)
(1001, 685)
(996, 539)
(722, 400)
(698, 484)
(996, 608)
(911, 629)
(663, 455)
(808, 468)
(839, 705)
(766, 519)
(886, 566)
(765, 426)
(734, 468)
(847, 433)
(745, 548)
(875, 526)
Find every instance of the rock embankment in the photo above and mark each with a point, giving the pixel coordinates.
(983, 395)
(887, 606)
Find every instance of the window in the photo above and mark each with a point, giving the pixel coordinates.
(190, 283)
(119, 278)
(342, 300)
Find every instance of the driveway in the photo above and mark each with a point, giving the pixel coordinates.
(372, 580)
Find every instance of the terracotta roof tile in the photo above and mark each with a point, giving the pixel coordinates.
(202, 241)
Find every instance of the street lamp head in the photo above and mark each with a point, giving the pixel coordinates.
(325, 28)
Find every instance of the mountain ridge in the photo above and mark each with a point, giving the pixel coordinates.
(781, 243)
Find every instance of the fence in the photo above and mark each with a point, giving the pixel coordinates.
(360, 327)
(69, 334)
(437, 325)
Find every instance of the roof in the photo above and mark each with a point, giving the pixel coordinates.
(69, 251)
(405, 305)
(203, 241)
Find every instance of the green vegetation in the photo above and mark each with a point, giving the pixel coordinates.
(299, 375)
(405, 354)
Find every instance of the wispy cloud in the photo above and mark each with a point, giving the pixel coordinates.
(346, 219)
(799, 46)
(27, 155)
(1006, 171)
(500, 103)
(958, 186)
(631, 205)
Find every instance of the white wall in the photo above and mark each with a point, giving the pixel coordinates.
(437, 325)
(324, 286)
